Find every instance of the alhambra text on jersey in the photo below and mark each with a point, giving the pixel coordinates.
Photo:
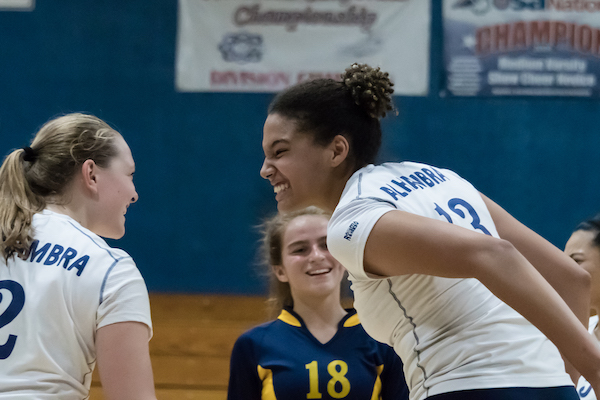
(57, 255)
(420, 179)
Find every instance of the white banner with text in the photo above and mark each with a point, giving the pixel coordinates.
(268, 45)
(17, 5)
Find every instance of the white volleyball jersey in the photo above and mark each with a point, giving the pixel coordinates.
(452, 334)
(52, 304)
(584, 389)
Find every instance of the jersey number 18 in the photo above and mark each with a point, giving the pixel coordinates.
(338, 370)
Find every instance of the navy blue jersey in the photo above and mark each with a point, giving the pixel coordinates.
(282, 360)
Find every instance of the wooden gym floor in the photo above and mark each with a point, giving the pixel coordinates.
(192, 342)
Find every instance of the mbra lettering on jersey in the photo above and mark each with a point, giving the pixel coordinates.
(421, 179)
(57, 254)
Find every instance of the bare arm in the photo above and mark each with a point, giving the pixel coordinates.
(403, 243)
(570, 281)
(124, 362)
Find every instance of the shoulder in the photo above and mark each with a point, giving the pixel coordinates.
(50, 227)
(351, 319)
(251, 344)
(390, 182)
(257, 334)
(350, 227)
(58, 239)
(401, 168)
(351, 323)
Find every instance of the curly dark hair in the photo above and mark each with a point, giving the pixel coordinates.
(591, 225)
(352, 107)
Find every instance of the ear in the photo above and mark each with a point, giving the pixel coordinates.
(340, 149)
(279, 272)
(89, 172)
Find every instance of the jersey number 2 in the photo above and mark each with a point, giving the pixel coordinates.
(11, 311)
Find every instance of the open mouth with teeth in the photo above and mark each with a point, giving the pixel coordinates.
(321, 271)
(281, 187)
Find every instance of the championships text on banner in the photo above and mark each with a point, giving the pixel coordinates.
(268, 45)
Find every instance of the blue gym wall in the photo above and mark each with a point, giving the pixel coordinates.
(198, 154)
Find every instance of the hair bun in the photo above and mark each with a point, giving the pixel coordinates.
(370, 87)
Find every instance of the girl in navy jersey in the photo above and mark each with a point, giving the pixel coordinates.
(437, 268)
(67, 299)
(584, 247)
(315, 349)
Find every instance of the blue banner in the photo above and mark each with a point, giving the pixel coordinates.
(522, 47)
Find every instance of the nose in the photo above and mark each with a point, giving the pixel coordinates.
(266, 170)
(135, 197)
(317, 253)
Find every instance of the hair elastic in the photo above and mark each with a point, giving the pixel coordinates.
(30, 154)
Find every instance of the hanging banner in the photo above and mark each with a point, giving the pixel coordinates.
(522, 47)
(268, 45)
(17, 5)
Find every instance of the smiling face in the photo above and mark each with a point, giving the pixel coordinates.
(297, 168)
(116, 192)
(581, 248)
(308, 266)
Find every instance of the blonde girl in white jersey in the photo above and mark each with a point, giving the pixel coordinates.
(413, 236)
(584, 247)
(67, 299)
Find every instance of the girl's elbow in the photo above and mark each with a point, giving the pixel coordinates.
(496, 255)
(581, 280)
(502, 250)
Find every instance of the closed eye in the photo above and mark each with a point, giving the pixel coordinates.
(298, 248)
(577, 260)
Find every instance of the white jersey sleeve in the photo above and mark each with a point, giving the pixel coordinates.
(412, 187)
(124, 296)
(347, 234)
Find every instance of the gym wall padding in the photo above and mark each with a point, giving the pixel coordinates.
(198, 154)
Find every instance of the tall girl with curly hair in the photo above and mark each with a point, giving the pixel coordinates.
(475, 303)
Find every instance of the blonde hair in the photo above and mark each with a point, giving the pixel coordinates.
(29, 176)
(271, 250)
